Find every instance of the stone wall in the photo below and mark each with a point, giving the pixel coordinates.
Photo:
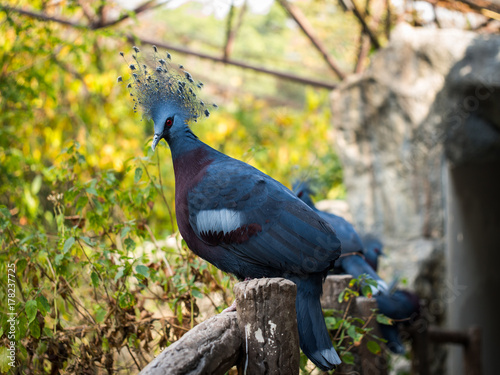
(429, 102)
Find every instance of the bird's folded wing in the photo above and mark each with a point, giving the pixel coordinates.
(250, 214)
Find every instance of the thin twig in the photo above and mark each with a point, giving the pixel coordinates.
(364, 48)
(162, 194)
(306, 27)
(95, 269)
(240, 64)
(351, 5)
(232, 31)
(153, 239)
(130, 352)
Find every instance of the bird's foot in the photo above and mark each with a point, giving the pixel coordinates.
(230, 308)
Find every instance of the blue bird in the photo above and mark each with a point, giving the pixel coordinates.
(233, 215)
(352, 261)
(372, 249)
(399, 306)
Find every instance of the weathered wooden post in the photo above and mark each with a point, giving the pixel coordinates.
(261, 337)
(370, 363)
(267, 319)
(332, 287)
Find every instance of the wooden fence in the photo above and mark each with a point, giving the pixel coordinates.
(261, 336)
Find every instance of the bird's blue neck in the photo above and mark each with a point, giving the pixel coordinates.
(306, 198)
(183, 141)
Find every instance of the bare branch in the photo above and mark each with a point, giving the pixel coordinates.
(148, 5)
(364, 48)
(486, 8)
(43, 17)
(279, 74)
(232, 31)
(306, 27)
(349, 4)
(151, 4)
(240, 64)
(482, 4)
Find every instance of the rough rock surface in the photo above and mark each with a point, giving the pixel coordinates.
(427, 103)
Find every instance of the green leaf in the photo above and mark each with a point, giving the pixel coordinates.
(129, 244)
(43, 304)
(373, 347)
(348, 358)
(341, 296)
(21, 266)
(142, 270)
(124, 231)
(366, 291)
(87, 240)
(36, 184)
(31, 309)
(35, 329)
(4, 360)
(81, 203)
(138, 174)
(22, 327)
(196, 293)
(126, 300)
(382, 319)
(119, 274)
(58, 259)
(68, 243)
(91, 190)
(100, 314)
(48, 332)
(303, 362)
(351, 331)
(105, 345)
(330, 322)
(95, 279)
(5, 211)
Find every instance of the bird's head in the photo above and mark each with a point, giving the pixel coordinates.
(303, 190)
(373, 244)
(166, 94)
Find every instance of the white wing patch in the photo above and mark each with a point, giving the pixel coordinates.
(222, 220)
(380, 288)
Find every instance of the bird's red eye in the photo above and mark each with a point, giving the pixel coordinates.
(169, 122)
(300, 194)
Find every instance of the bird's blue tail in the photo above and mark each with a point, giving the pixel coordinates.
(391, 334)
(313, 335)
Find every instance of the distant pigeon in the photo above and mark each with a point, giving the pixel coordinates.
(372, 249)
(352, 261)
(400, 306)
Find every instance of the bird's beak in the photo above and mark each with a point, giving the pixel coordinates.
(156, 139)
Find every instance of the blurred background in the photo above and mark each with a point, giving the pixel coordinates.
(389, 106)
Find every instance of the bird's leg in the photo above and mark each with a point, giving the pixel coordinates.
(233, 306)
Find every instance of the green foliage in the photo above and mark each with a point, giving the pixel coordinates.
(349, 331)
(103, 279)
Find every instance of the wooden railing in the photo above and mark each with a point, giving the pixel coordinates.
(261, 336)
(470, 341)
